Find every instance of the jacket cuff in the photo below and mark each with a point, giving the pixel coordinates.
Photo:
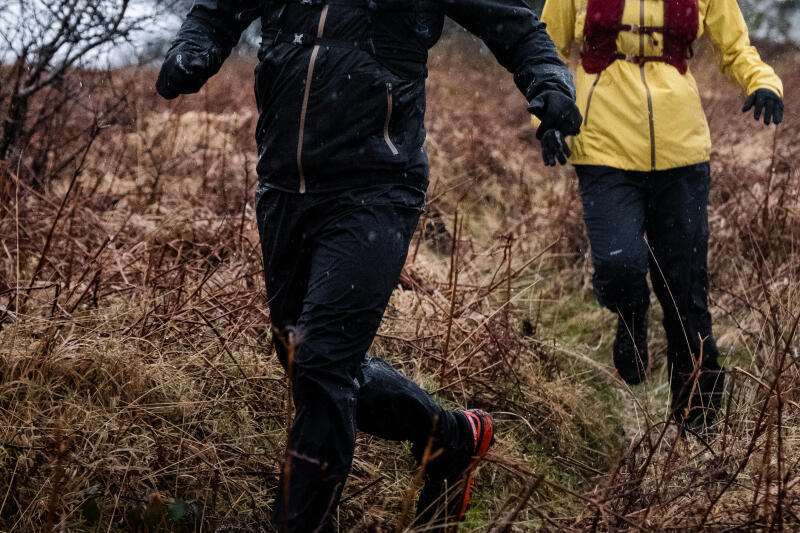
(546, 78)
(217, 29)
(776, 87)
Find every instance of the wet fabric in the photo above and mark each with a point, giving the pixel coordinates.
(344, 81)
(331, 262)
(650, 117)
(670, 209)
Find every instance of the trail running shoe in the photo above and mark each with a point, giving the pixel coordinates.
(630, 348)
(445, 497)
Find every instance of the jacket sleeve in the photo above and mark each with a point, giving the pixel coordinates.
(213, 27)
(559, 16)
(725, 26)
(518, 40)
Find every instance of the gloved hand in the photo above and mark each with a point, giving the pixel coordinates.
(183, 72)
(554, 147)
(766, 101)
(557, 111)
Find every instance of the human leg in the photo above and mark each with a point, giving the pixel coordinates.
(340, 257)
(613, 210)
(677, 228)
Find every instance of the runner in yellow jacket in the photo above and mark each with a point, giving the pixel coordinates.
(642, 161)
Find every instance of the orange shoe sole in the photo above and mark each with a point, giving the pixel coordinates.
(482, 427)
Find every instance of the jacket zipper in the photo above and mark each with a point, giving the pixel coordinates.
(647, 90)
(389, 106)
(589, 99)
(304, 108)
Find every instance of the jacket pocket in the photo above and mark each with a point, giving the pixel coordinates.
(346, 110)
(589, 100)
(349, 124)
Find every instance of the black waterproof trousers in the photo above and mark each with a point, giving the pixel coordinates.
(670, 208)
(331, 262)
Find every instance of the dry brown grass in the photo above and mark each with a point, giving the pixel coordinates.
(137, 383)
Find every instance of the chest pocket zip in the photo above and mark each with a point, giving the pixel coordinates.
(389, 105)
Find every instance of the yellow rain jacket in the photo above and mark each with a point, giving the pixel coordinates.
(650, 117)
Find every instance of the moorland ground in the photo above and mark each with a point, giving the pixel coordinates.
(138, 390)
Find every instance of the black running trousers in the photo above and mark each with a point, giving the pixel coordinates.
(670, 208)
(331, 262)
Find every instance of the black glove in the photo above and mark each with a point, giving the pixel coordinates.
(554, 147)
(183, 72)
(557, 111)
(766, 101)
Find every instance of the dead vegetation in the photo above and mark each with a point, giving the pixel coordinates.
(138, 390)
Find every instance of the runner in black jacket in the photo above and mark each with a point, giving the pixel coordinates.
(342, 172)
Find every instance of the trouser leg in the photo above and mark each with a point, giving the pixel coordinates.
(393, 407)
(614, 213)
(341, 257)
(677, 228)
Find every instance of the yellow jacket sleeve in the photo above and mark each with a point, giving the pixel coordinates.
(559, 15)
(725, 26)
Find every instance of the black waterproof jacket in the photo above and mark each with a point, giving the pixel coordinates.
(340, 84)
